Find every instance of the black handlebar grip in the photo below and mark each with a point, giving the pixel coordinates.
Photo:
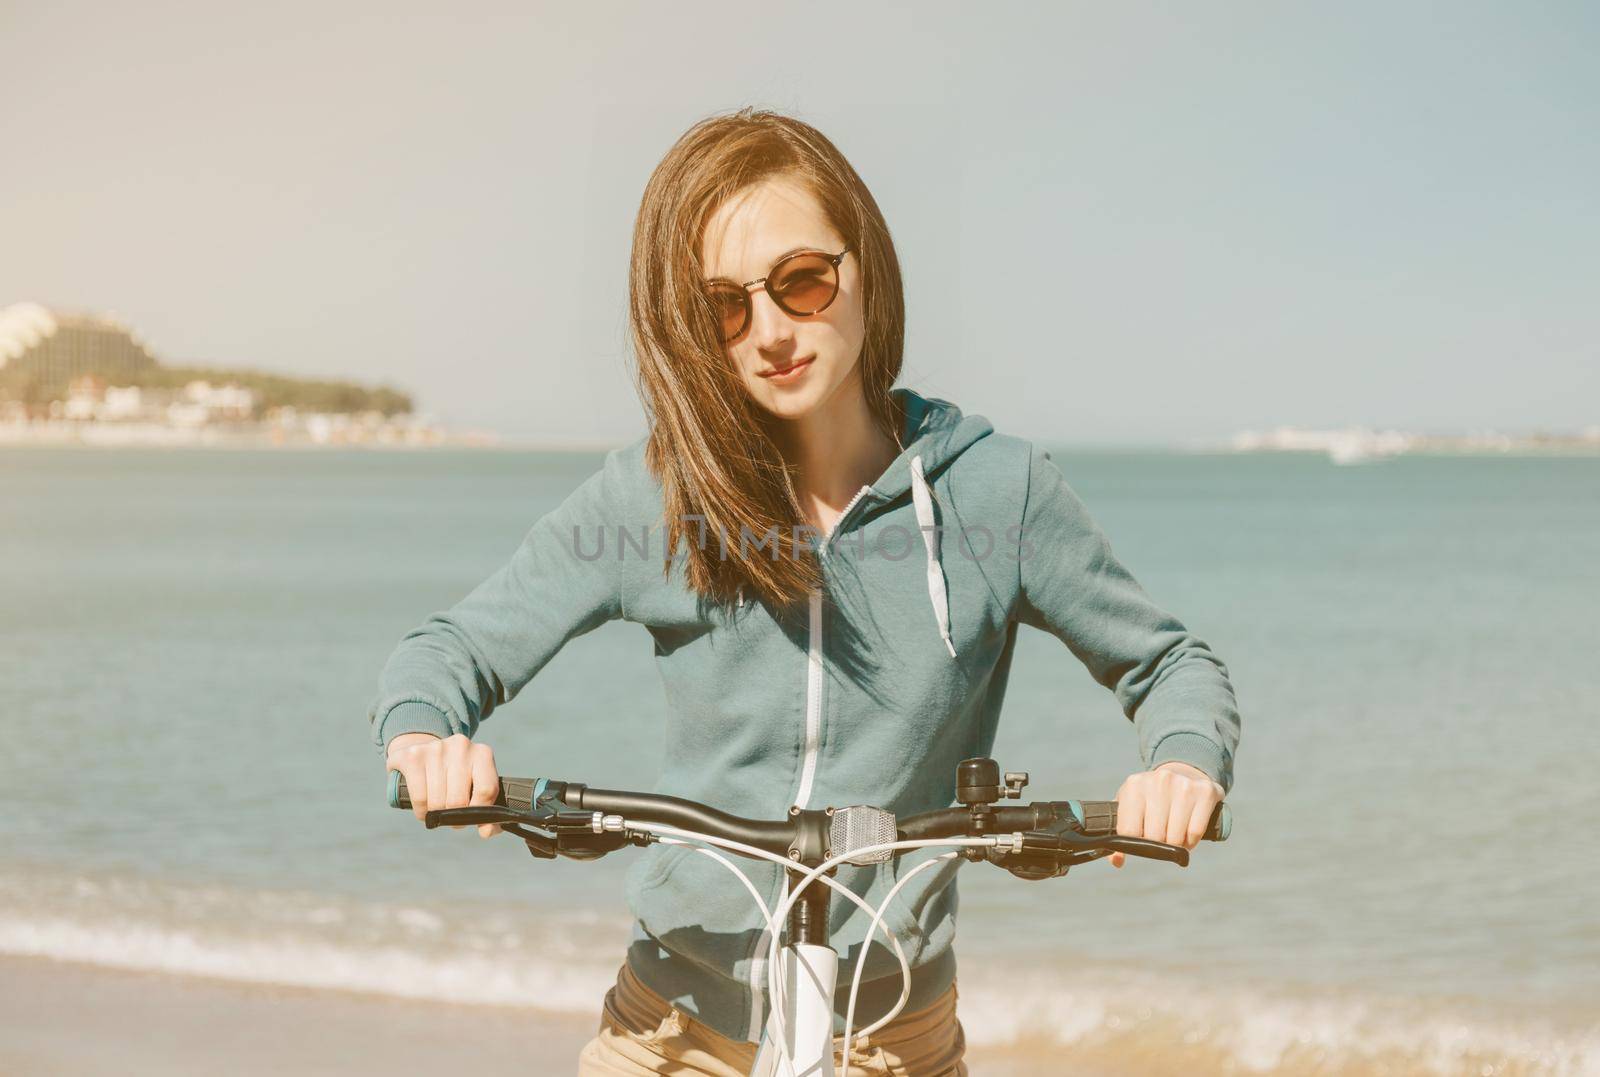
(515, 793)
(1100, 817)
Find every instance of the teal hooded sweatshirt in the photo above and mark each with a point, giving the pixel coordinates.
(870, 694)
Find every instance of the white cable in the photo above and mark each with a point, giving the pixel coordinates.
(775, 991)
(756, 996)
(774, 988)
(861, 959)
(812, 874)
(755, 895)
(774, 984)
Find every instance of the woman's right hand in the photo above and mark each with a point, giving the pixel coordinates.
(450, 773)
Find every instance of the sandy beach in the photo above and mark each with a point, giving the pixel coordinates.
(65, 1019)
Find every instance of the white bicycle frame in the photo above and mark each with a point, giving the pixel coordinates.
(802, 1042)
(798, 1040)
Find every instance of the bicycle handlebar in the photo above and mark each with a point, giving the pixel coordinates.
(590, 822)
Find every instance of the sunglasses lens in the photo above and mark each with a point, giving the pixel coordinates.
(805, 284)
(728, 308)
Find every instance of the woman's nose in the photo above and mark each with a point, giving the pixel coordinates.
(770, 327)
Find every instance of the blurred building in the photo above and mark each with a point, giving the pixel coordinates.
(42, 351)
(202, 403)
(199, 403)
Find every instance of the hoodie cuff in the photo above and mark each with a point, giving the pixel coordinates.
(412, 716)
(1200, 752)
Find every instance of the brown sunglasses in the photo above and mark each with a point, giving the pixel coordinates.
(802, 284)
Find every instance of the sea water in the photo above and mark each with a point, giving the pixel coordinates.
(190, 641)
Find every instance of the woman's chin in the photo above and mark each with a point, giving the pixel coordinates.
(787, 404)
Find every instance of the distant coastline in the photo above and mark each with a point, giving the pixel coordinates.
(72, 378)
(1360, 445)
(310, 432)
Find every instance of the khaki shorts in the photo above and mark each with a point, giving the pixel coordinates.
(641, 1033)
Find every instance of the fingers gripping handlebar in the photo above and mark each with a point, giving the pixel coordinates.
(1100, 817)
(1034, 841)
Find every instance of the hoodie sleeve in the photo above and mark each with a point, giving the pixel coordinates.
(449, 673)
(1168, 682)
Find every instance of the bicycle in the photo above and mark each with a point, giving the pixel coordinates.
(1035, 841)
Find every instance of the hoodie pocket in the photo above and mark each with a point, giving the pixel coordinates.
(692, 906)
(897, 923)
(899, 916)
(914, 898)
(653, 867)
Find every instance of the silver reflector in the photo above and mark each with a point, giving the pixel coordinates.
(858, 827)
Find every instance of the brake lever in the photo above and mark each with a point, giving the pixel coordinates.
(541, 846)
(489, 813)
(1150, 850)
(1076, 845)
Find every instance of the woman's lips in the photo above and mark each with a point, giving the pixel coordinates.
(789, 372)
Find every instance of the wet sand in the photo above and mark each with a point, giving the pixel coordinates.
(64, 1019)
(69, 1019)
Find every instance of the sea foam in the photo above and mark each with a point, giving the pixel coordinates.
(493, 955)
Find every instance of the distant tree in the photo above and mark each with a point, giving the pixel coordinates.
(19, 381)
(278, 390)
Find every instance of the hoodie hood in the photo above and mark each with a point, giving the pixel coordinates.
(935, 431)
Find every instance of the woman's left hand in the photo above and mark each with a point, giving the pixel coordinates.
(1172, 803)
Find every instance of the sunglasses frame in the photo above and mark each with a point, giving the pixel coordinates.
(766, 285)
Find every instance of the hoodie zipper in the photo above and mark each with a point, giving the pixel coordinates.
(813, 741)
(808, 761)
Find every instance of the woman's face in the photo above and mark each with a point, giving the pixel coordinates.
(790, 365)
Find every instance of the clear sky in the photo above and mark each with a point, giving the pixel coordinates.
(1119, 223)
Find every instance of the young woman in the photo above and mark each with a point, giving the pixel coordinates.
(841, 572)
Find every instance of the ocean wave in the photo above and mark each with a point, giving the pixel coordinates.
(1129, 1021)
(1109, 1019)
(454, 953)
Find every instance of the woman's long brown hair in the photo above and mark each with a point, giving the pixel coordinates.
(710, 443)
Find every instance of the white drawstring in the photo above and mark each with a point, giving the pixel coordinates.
(937, 595)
